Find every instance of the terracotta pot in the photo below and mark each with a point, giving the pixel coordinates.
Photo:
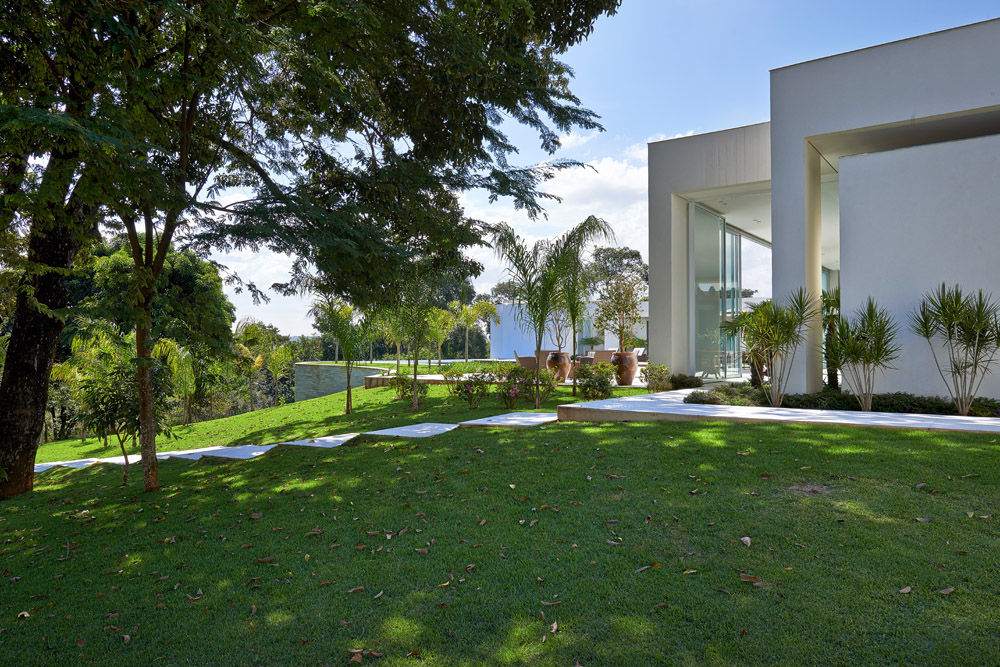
(558, 363)
(626, 364)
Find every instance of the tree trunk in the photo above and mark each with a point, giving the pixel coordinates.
(416, 394)
(24, 388)
(397, 357)
(538, 376)
(466, 343)
(349, 408)
(574, 361)
(144, 382)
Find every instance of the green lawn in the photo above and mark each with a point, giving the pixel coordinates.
(613, 544)
(374, 409)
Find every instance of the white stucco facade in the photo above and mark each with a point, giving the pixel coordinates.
(850, 181)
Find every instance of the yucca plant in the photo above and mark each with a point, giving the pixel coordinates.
(862, 348)
(963, 332)
(772, 333)
(831, 317)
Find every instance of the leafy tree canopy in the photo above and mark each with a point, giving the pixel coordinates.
(607, 263)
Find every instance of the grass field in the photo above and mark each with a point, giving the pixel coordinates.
(614, 544)
(374, 409)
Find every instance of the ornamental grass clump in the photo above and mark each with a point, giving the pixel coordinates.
(963, 332)
(862, 348)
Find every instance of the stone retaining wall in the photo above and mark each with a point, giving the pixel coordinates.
(315, 379)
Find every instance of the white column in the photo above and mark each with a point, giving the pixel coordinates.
(813, 344)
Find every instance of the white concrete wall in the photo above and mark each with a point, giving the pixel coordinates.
(911, 219)
(932, 75)
(678, 167)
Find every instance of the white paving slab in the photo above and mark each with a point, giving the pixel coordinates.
(415, 430)
(670, 405)
(325, 441)
(513, 420)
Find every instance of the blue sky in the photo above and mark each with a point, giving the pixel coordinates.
(660, 69)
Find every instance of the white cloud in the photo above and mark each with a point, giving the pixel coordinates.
(573, 140)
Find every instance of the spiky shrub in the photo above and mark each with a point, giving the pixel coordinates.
(963, 332)
(772, 333)
(863, 347)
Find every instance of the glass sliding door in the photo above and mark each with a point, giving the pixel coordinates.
(717, 294)
(707, 231)
(732, 302)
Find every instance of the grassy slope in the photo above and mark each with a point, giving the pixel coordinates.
(181, 572)
(374, 409)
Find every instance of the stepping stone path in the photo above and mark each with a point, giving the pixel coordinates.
(415, 430)
(426, 430)
(513, 420)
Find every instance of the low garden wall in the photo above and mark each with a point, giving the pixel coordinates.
(314, 379)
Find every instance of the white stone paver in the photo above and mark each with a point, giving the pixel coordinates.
(415, 430)
(325, 441)
(671, 404)
(513, 420)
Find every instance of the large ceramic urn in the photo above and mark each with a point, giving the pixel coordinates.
(558, 363)
(626, 364)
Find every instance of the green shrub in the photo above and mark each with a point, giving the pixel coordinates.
(451, 378)
(595, 380)
(656, 377)
(513, 384)
(681, 381)
(729, 393)
(402, 385)
(546, 380)
(472, 389)
(478, 366)
(831, 399)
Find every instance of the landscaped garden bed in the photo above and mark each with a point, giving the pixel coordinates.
(829, 399)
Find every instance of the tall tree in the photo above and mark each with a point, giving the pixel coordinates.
(609, 262)
(138, 115)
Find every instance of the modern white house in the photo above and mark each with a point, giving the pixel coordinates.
(509, 335)
(878, 172)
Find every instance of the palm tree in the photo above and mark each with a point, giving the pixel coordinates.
(442, 322)
(468, 314)
(537, 272)
(180, 361)
(352, 328)
(576, 285)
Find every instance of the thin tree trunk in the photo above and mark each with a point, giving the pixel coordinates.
(416, 394)
(574, 360)
(397, 357)
(349, 408)
(466, 343)
(538, 376)
(144, 381)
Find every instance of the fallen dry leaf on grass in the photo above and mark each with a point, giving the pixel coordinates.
(646, 567)
(745, 540)
(905, 589)
(356, 589)
(947, 591)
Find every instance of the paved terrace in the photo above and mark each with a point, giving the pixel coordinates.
(670, 406)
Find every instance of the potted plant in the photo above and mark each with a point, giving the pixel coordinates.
(618, 310)
(558, 362)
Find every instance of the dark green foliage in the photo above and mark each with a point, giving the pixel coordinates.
(609, 263)
(682, 381)
(656, 377)
(596, 381)
(403, 386)
(512, 384)
(829, 399)
(472, 389)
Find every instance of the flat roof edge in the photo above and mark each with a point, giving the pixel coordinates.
(878, 46)
(705, 134)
